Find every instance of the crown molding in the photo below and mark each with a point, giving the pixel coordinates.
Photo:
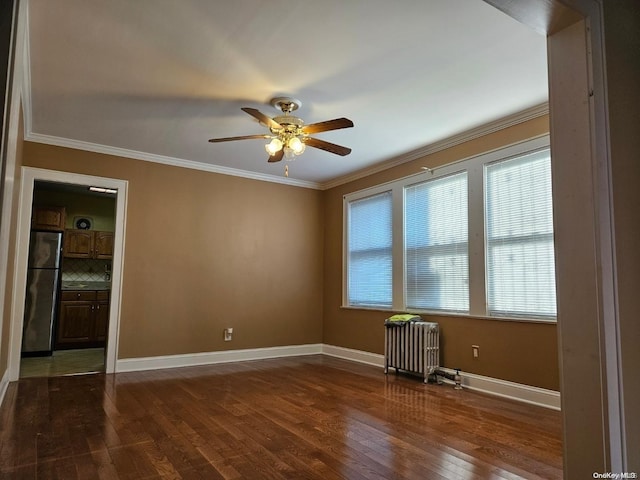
(486, 129)
(444, 144)
(175, 162)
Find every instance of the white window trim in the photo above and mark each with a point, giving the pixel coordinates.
(474, 166)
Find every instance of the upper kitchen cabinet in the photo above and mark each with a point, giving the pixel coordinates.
(88, 244)
(48, 218)
(103, 245)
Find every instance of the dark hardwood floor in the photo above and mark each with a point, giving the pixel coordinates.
(312, 417)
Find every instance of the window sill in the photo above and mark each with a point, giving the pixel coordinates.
(435, 313)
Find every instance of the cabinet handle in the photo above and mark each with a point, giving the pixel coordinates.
(97, 307)
(78, 295)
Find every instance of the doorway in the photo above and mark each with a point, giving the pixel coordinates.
(31, 177)
(69, 281)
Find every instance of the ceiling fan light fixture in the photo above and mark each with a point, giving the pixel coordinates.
(273, 146)
(296, 145)
(289, 154)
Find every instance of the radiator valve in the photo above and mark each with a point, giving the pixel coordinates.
(458, 380)
(455, 377)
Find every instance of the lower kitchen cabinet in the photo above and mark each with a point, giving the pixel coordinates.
(83, 319)
(101, 319)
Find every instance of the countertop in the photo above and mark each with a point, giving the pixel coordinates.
(86, 285)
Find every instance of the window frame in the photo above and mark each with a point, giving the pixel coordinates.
(526, 240)
(348, 253)
(474, 166)
(443, 248)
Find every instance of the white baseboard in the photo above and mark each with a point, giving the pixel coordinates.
(208, 358)
(504, 388)
(369, 358)
(494, 386)
(4, 384)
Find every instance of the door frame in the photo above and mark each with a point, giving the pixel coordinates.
(28, 178)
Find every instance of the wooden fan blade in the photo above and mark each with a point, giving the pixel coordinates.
(268, 121)
(329, 147)
(276, 157)
(335, 124)
(244, 137)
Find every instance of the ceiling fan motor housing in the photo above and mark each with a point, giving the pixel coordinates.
(290, 125)
(286, 104)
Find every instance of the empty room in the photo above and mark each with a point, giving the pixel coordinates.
(323, 240)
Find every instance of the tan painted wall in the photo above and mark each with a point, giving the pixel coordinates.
(180, 291)
(516, 351)
(205, 251)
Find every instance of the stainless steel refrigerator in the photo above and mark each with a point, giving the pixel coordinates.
(41, 297)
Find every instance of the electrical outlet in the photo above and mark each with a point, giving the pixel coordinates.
(476, 351)
(228, 334)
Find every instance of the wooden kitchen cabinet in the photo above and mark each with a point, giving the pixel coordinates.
(48, 218)
(101, 317)
(88, 244)
(78, 243)
(83, 320)
(74, 325)
(103, 245)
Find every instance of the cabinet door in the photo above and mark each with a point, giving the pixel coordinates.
(103, 245)
(48, 218)
(101, 323)
(75, 323)
(78, 243)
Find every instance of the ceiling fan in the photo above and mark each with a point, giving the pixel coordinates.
(289, 135)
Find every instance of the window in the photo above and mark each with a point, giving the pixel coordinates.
(436, 252)
(474, 237)
(369, 251)
(519, 232)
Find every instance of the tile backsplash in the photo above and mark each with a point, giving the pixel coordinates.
(85, 270)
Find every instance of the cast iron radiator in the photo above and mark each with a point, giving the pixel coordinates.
(413, 347)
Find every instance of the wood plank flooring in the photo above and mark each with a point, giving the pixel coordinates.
(312, 417)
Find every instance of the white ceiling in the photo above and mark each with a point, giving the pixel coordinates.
(155, 79)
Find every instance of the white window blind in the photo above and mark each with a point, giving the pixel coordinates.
(369, 251)
(436, 244)
(519, 237)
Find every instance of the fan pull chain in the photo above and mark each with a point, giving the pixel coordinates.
(286, 170)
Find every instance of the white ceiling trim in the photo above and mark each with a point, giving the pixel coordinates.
(449, 142)
(509, 121)
(176, 162)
